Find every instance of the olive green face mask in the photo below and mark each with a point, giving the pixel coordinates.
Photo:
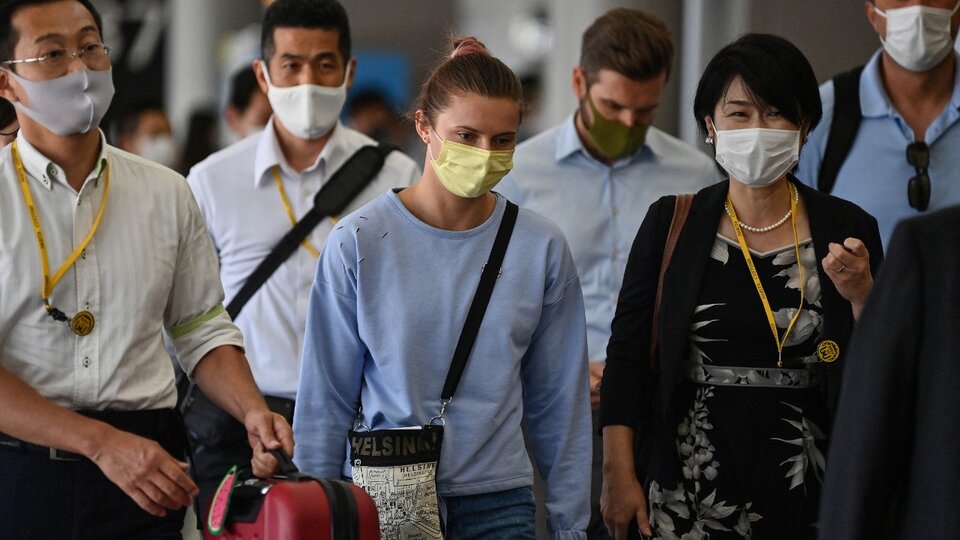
(611, 138)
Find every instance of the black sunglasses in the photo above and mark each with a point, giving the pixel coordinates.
(918, 188)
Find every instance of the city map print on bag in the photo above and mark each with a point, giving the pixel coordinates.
(398, 468)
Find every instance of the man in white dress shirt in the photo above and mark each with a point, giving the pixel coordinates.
(101, 250)
(253, 192)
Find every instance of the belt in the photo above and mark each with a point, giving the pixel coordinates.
(150, 424)
(55, 454)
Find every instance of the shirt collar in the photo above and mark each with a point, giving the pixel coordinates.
(569, 143)
(269, 155)
(874, 101)
(46, 172)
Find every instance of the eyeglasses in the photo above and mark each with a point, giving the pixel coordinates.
(918, 187)
(94, 55)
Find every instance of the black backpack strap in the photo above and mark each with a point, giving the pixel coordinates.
(488, 278)
(344, 186)
(843, 128)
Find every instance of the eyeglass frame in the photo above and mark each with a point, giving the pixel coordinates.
(918, 187)
(70, 55)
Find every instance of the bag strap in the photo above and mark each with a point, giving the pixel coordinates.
(344, 186)
(847, 116)
(478, 307)
(681, 210)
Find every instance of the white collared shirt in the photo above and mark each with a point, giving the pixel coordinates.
(149, 266)
(245, 216)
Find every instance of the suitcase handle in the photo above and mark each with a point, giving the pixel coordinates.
(287, 466)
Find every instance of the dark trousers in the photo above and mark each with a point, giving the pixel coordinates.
(44, 499)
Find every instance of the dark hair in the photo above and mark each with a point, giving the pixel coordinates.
(323, 14)
(243, 86)
(776, 76)
(629, 42)
(127, 119)
(470, 69)
(8, 114)
(9, 36)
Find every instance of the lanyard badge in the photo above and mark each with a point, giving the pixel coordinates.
(83, 322)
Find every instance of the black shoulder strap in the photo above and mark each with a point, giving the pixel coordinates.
(344, 186)
(843, 128)
(488, 278)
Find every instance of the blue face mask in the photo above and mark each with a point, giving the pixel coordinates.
(73, 103)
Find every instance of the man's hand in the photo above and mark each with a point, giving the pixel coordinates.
(267, 431)
(596, 376)
(144, 471)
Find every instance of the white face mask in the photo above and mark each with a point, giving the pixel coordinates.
(161, 149)
(73, 103)
(757, 157)
(308, 111)
(918, 37)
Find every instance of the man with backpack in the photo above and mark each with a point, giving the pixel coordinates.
(889, 134)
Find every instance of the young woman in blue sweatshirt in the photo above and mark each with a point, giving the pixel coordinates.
(393, 287)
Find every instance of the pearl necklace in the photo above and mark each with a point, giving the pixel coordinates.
(768, 228)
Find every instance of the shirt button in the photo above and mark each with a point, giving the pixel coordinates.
(51, 170)
(616, 254)
(614, 211)
(86, 361)
(83, 254)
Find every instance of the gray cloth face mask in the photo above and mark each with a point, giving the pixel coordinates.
(73, 103)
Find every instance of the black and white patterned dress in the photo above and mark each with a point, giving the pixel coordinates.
(750, 439)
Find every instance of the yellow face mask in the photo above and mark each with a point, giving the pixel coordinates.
(467, 171)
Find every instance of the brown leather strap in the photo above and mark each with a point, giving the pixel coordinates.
(680, 212)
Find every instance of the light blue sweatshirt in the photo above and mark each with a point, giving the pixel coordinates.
(387, 307)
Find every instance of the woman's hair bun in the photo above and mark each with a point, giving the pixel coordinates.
(468, 45)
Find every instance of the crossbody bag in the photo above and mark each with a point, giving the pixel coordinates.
(398, 467)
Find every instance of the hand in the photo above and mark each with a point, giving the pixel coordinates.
(267, 431)
(848, 267)
(596, 376)
(144, 471)
(622, 500)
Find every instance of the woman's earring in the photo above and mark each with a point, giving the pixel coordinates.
(708, 140)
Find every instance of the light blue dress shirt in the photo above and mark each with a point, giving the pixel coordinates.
(876, 172)
(599, 207)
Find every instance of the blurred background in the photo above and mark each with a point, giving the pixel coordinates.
(180, 56)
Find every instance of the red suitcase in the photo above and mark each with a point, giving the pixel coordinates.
(296, 506)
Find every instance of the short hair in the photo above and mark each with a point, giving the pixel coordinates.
(628, 41)
(243, 86)
(776, 76)
(9, 35)
(127, 119)
(8, 114)
(469, 69)
(322, 14)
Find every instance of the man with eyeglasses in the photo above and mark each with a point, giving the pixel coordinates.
(100, 250)
(890, 135)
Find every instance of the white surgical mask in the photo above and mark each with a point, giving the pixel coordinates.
(161, 149)
(308, 111)
(73, 103)
(757, 157)
(918, 37)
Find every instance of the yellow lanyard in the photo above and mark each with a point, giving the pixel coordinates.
(756, 278)
(48, 282)
(286, 206)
